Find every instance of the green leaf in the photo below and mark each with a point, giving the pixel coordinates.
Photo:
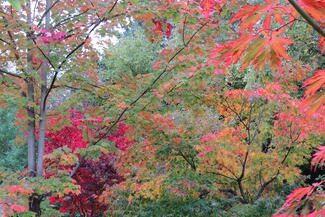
(16, 4)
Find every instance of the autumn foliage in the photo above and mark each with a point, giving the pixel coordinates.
(215, 108)
(93, 176)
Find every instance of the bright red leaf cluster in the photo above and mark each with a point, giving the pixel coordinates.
(162, 27)
(93, 176)
(48, 37)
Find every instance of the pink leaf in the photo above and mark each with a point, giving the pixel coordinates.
(18, 208)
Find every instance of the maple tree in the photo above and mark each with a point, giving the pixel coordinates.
(93, 176)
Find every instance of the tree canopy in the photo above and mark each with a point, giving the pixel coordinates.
(162, 108)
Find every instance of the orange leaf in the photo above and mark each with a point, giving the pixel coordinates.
(314, 83)
(313, 97)
(17, 189)
(251, 14)
(316, 8)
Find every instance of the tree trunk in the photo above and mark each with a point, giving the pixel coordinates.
(30, 108)
(31, 127)
(42, 122)
(35, 204)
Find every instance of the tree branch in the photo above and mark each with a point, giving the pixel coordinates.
(191, 163)
(68, 19)
(148, 88)
(75, 49)
(43, 54)
(9, 73)
(220, 174)
(46, 12)
(4, 41)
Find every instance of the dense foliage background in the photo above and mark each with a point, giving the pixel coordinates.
(162, 108)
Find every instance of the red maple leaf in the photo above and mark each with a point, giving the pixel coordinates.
(319, 157)
(250, 49)
(316, 8)
(250, 15)
(313, 96)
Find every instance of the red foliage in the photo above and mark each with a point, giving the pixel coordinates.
(319, 157)
(314, 96)
(48, 37)
(301, 196)
(70, 136)
(36, 61)
(316, 8)
(18, 208)
(159, 27)
(93, 176)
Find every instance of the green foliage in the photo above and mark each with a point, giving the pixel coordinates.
(15, 159)
(132, 55)
(48, 210)
(25, 214)
(16, 3)
(189, 207)
(264, 207)
(12, 156)
(195, 207)
(8, 131)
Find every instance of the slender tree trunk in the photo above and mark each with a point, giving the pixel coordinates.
(31, 127)
(34, 200)
(42, 122)
(30, 108)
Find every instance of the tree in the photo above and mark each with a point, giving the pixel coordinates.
(39, 43)
(132, 55)
(93, 176)
(46, 47)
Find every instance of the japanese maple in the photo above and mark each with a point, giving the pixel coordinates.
(47, 47)
(93, 176)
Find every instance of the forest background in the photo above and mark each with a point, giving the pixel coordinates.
(162, 108)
